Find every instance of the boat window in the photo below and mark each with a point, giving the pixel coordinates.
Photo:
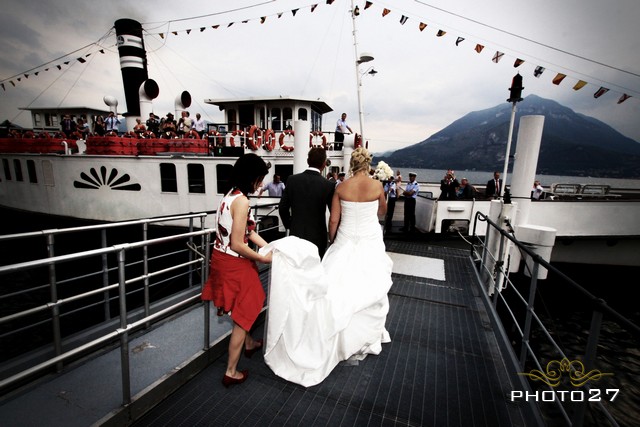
(47, 173)
(168, 178)
(287, 116)
(276, 119)
(231, 119)
(195, 172)
(316, 121)
(51, 120)
(223, 178)
(7, 171)
(31, 171)
(37, 120)
(17, 166)
(302, 114)
(262, 119)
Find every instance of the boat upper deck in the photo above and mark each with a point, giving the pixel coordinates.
(442, 368)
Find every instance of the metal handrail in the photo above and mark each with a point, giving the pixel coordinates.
(125, 328)
(486, 261)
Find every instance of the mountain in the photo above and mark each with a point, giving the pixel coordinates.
(572, 144)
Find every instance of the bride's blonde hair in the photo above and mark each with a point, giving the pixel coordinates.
(360, 161)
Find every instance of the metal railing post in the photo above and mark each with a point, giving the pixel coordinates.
(526, 332)
(124, 336)
(55, 308)
(190, 253)
(589, 362)
(207, 304)
(105, 276)
(145, 262)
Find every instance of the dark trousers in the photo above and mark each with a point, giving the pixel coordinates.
(409, 213)
(391, 207)
(339, 137)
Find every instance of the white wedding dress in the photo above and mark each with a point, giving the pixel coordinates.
(321, 313)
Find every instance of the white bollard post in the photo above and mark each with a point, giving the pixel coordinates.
(301, 130)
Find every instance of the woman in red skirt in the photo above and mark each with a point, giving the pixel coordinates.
(233, 284)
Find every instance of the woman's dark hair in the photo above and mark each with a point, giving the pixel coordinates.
(247, 170)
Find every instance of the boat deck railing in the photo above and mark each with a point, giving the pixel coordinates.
(121, 287)
(571, 385)
(68, 294)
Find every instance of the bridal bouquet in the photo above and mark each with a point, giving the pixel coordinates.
(383, 172)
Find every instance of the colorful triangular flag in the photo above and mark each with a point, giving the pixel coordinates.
(367, 5)
(623, 98)
(202, 29)
(518, 62)
(579, 85)
(559, 78)
(189, 31)
(82, 60)
(538, 71)
(329, 1)
(294, 11)
(161, 35)
(497, 56)
(279, 15)
(175, 33)
(264, 18)
(403, 19)
(215, 27)
(385, 12)
(600, 92)
(459, 40)
(441, 33)
(230, 24)
(314, 7)
(422, 26)
(479, 48)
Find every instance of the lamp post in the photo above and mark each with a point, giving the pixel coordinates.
(360, 59)
(516, 94)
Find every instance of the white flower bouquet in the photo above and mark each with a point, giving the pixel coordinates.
(383, 172)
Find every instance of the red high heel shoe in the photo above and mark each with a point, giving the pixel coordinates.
(227, 380)
(258, 346)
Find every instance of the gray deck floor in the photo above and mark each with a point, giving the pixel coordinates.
(442, 368)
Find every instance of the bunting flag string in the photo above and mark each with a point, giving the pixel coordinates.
(623, 98)
(498, 55)
(600, 92)
(579, 85)
(538, 71)
(558, 78)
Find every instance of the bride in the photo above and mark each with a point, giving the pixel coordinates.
(324, 312)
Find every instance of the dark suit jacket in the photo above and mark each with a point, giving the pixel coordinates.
(491, 187)
(303, 206)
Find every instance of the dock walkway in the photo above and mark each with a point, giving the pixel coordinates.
(442, 368)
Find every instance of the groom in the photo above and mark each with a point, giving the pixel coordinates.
(305, 199)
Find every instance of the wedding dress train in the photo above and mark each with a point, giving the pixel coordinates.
(321, 313)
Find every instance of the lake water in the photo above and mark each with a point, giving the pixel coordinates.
(481, 178)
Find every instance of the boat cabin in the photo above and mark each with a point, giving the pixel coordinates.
(48, 119)
(276, 113)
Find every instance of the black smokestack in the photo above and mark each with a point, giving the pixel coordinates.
(133, 62)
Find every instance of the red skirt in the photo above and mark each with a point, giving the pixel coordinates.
(234, 285)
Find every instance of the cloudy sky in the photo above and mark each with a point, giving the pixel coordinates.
(424, 82)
